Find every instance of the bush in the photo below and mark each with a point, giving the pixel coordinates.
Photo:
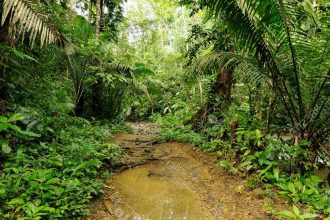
(56, 179)
(174, 128)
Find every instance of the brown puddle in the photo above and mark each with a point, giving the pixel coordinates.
(148, 196)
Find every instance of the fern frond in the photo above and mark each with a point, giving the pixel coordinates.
(137, 85)
(27, 15)
(120, 67)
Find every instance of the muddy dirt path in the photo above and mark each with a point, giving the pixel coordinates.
(173, 181)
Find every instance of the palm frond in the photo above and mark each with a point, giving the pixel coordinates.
(128, 72)
(28, 17)
(243, 68)
(267, 29)
(273, 31)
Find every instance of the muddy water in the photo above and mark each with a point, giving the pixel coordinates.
(153, 197)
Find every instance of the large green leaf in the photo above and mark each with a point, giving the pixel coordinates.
(309, 215)
(287, 213)
(296, 210)
(5, 146)
(29, 134)
(16, 117)
(3, 119)
(22, 55)
(14, 128)
(276, 173)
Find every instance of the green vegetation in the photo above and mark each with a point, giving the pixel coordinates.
(244, 80)
(54, 175)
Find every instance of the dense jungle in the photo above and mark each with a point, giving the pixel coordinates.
(160, 109)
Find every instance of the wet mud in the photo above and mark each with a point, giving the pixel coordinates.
(174, 181)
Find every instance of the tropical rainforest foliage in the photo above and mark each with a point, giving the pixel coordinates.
(244, 80)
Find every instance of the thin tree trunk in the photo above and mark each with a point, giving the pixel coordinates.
(201, 90)
(98, 19)
(270, 112)
(90, 11)
(96, 99)
(80, 103)
(102, 24)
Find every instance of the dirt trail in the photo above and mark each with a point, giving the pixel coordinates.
(173, 181)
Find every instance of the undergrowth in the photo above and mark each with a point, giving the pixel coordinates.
(176, 127)
(57, 172)
(268, 163)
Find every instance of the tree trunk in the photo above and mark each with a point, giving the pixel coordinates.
(97, 99)
(79, 110)
(102, 16)
(222, 87)
(6, 35)
(90, 11)
(7, 39)
(98, 19)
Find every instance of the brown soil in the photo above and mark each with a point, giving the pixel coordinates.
(175, 181)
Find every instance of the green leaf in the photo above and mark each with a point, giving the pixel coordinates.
(16, 201)
(52, 181)
(309, 215)
(317, 179)
(276, 173)
(3, 119)
(262, 172)
(258, 134)
(296, 210)
(247, 152)
(244, 164)
(16, 117)
(3, 127)
(22, 55)
(29, 134)
(2, 193)
(287, 213)
(291, 188)
(14, 127)
(5, 147)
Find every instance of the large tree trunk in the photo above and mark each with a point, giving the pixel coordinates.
(7, 39)
(6, 33)
(222, 87)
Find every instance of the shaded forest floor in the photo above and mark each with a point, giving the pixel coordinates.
(175, 181)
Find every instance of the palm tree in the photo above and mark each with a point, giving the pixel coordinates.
(292, 58)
